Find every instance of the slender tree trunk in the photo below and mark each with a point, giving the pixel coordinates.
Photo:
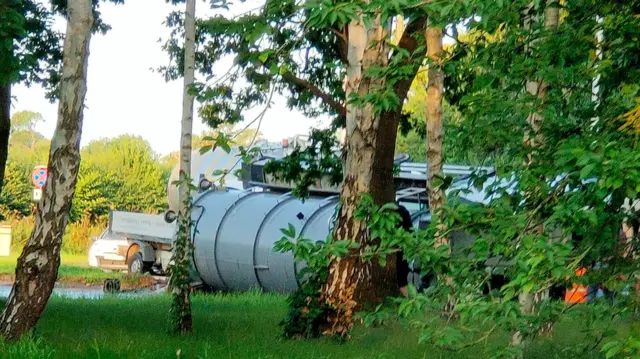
(181, 316)
(399, 29)
(5, 128)
(532, 139)
(435, 89)
(37, 267)
(435, 174)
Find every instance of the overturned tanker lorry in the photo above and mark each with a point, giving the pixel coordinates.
(235, 226)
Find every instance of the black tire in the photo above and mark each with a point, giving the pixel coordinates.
(135, 263)
(111, 286)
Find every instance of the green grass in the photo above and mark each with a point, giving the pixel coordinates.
(8, 264)
(74, 269)
(225, 326)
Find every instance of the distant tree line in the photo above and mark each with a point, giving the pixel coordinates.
(121, 173)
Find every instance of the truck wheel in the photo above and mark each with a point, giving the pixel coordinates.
(135, 263)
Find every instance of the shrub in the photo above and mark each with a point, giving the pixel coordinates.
(77, 238)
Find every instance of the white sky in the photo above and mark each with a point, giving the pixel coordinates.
(125, 96)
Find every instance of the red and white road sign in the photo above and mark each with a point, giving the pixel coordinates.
(39, 176)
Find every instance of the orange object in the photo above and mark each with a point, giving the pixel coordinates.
(577, 293)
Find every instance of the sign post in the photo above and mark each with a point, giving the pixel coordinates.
(38, 178)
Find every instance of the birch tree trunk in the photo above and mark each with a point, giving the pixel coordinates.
(5, 128)
(533, 139)
(37, 267)
(181, 320)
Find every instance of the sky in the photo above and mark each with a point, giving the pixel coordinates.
(124, 96)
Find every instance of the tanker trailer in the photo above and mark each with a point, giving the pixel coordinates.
(235, 233)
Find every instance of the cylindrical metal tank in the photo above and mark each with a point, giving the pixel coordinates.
(236, 231)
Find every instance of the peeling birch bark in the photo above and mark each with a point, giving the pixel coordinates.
(37, 268)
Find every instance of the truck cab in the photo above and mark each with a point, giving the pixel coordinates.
(108, 251)
(135, 242)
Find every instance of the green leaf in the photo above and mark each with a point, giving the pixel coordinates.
(586, 171)
(389, 206)
(283, 70)
(613, 352)
(617, 183)
(205, 149)
(412, 291)
(225, 146)
(290, 231)
(508, 295)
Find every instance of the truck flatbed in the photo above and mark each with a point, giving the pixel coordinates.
(141, 226)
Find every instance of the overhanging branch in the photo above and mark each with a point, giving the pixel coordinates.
(325, 97)
(409, 42)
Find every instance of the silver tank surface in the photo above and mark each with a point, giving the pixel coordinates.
(235, 233)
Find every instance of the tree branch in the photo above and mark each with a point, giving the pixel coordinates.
(409, 42)
(325, 97)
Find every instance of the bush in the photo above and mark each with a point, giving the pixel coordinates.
(77, 238)
(20, 232)
(78, 235)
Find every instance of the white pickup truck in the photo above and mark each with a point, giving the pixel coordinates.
(136, 242)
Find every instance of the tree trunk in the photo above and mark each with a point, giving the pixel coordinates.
(435, 174)
(435, 89)
(533, 139)
(37, 267)
(399, 29)
(5, 128)
(179, 281)
(368, 169)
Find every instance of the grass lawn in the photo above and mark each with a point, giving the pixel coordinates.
(8, 264)
(74, 270)
(225, 326)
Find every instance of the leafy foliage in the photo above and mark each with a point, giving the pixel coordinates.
(15, 199)
(306, 166)
(237, 137)
(179, 271)
(130, 172)
(122, 173)
(573, 185)
(273, 51)
(552, 208)
(459, 145)
(95, 195)
(307, 312)
(31, 49)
